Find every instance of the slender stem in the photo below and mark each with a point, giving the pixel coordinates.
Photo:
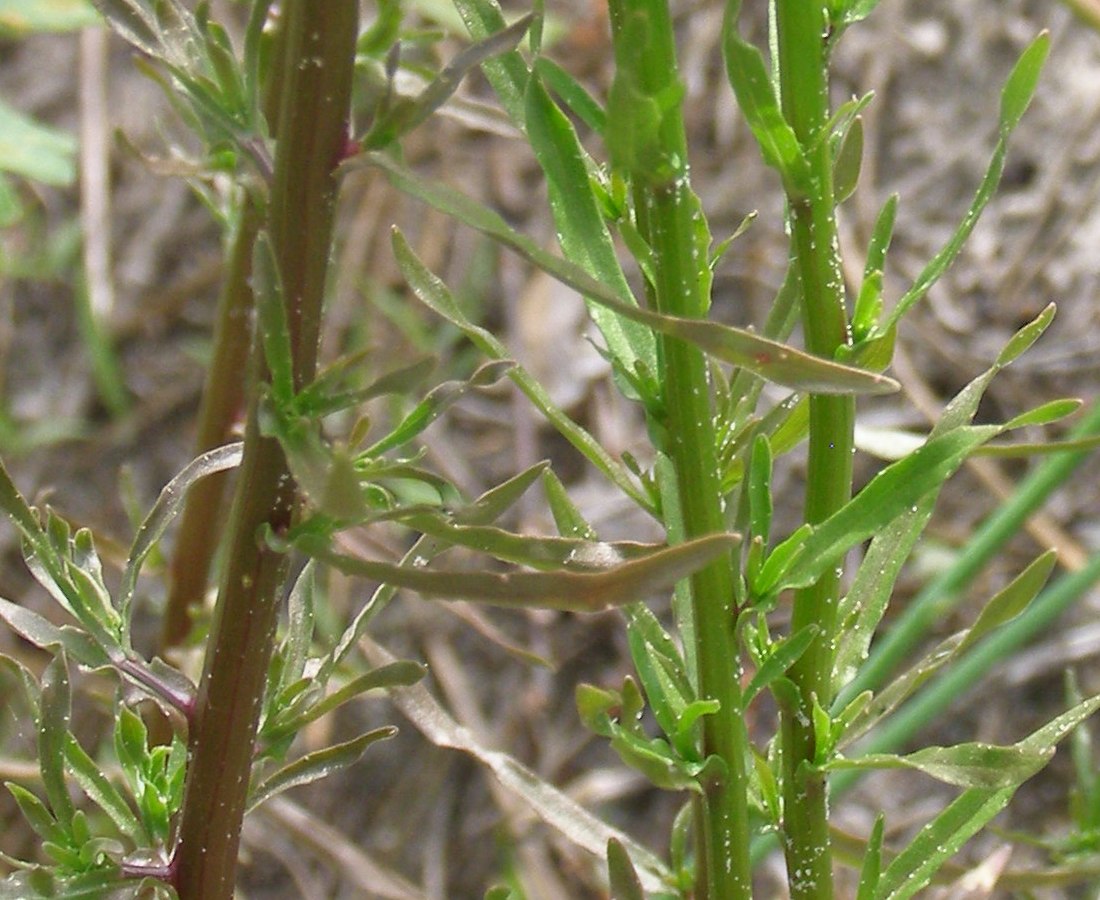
(311, 136)
(668, 217)
(223, 399)
(804, 87)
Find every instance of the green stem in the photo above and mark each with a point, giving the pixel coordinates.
(668, 215)
(804, 87)
(312, 133)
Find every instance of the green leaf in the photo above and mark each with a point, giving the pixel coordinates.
(759, 486)
(748, 75)
(36, 814)
(897, 488)
(939, 840)
(1012, 599)
(1015, 98)
(660, 668)
(1022, 340)
(1024, 78)
(507, 73)
(567, 518)
(43, 633)
(770, 359)
(398, 674)
(436, 403)
(33, 150)
(100, 790)
(582, 233)
(970, 765)
(577, 591)
(624, 881)
(872, 861)
(405, 115)
(19, 18)
(848, 161)
(785, 653)
(316, 765)
(860, 612)
(53, 730)
(267, 285)
(168, 505)
(1045, 413)
(434, 294)
(572, 94)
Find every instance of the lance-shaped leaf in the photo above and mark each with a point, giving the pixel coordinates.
(100, 790)
(892, 492)
(769, 359)
(756, 95)
(434, 294)
(316, 765)
(168, 505)
(965, 765)
(1015, 98)
(589, 591)
(439, 399)
(53, 729)
(941, 838)
(406, 114)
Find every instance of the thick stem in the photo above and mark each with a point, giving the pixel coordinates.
(668, 216)
(804, 86)
(311, 137)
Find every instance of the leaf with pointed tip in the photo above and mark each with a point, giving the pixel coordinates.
(168, 505)
(769, 359)
(100, 790)
(316, 765)
(965, 765)
(405, 115)
(622, 876)
(785, 654)
(895, 489)
(53, 729)
(586, 591)
(748, 75)
(435, 295)
(438, 400)
(1014, 100)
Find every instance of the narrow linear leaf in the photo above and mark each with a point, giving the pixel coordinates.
(1015, 99)
(782, 657)
(1011, 600)
(407, 115)
(625, 884)
(104, 794)
(435, 295)
(1022, 81)
(748, 75)
(770, 359)
(872, 861)
(895, 489)
(167, 506)
(438, 400)
(53, 729)
(317, 765)
(594, 591)
(970, 765)
(401, 673)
